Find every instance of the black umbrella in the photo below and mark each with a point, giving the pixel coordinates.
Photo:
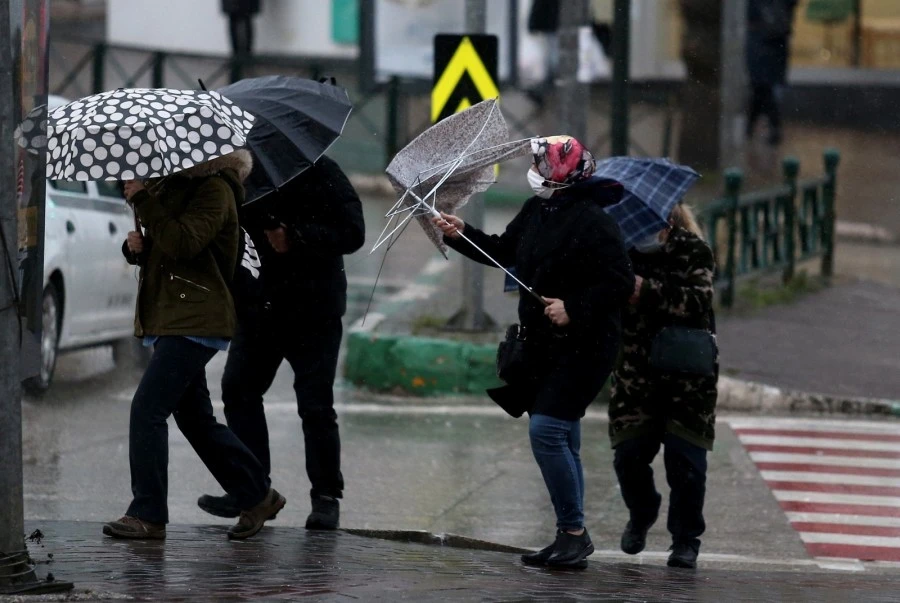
(297, 120)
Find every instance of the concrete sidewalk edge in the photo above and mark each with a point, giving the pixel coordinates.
(425, 537)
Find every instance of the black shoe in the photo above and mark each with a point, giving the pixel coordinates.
(538, 557)
(684, 554)
(326, 514)
(220, 506)
(570, 550)
(634, 539)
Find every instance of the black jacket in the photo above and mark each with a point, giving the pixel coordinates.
(574, 253)
(240, 7)
(324, 219)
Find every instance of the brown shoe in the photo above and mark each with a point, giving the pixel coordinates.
(135, 529)
(251, 521)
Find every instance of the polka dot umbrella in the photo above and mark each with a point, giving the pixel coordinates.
(135, 133)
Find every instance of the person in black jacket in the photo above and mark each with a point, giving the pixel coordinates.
(569, 250)
(240, 24)
(309, 224)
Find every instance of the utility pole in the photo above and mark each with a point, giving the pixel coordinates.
(471, 316)
(732, 83)
(12, 517)
(621, 47)
(573, 97)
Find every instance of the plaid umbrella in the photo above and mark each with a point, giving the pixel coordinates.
(135, 133)
(650, 189)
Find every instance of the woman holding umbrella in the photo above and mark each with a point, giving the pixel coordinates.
(664, 385)
(567, 248)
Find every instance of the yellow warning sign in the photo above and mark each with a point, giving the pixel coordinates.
(465, 73)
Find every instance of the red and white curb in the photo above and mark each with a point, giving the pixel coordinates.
(837, 481)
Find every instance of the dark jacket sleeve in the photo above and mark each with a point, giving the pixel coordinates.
(500, 247)
(187, 234)
(683, 296)
(337, 226)
(607, 272)
(137, 259)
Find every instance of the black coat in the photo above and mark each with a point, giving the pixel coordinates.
(769, 27)
(573, 253)
(544, 16)
(240, 7)
(324, 220)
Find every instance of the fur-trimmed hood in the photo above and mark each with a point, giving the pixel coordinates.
(241, 161)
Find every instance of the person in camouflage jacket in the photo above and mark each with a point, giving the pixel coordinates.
(649, 408)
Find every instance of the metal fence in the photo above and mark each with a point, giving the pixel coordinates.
(773, 229)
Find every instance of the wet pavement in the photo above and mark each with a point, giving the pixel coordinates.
(198, 563)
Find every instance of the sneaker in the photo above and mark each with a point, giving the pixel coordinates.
(683, 555)
(135, 529)
(570, 550)
(220, 506)
(325, 515)
(251, 521)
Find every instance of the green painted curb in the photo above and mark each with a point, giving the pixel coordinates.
(420, 366)
(497, 196)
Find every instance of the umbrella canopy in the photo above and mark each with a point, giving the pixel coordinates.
(449, 162)
(650, 189)
(297, 120)
(135, 133)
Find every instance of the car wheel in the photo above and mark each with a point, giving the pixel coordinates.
(50, 323)
(131, 353)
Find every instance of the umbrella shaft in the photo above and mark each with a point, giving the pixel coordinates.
(501, 267)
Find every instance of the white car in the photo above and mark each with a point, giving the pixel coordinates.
(89, 288)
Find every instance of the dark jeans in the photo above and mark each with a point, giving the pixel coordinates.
(765, 100)
(175, 384)
(312, 351)
(556, 445)
(685, 472)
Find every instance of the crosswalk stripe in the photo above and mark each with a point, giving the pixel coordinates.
(857, 469)
(849, 551)
(846, 528)
(836, 498)
(823, 459)
(883, 491)
(808, 433)
(829, 478)
(872, 510)
(854, 539)
(837, 519)
(738, 423)
(801, 442)
(822, 451)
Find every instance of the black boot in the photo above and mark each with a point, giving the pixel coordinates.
(220, 506)
(634, 539)
(326, 514)
(684, 554)
(570, 550)
(539, 557)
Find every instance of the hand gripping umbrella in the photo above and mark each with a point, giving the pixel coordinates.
(138, 133)
(297, 120)
(445, 165)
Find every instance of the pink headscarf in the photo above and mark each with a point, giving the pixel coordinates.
(562, 159)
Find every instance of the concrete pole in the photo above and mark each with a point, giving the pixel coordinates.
(732, 83)
(12, 526)
(471, 316)
(573, 97)
(621, 48)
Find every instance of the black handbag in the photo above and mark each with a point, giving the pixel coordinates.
(686, 350)
(512, 356)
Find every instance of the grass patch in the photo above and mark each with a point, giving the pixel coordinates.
(755, 294)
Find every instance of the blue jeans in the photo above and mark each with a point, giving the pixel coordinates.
(556, 445)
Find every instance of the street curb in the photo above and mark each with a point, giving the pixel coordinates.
(429, 538)
(747, 396)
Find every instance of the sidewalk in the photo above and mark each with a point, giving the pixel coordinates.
(198, 563)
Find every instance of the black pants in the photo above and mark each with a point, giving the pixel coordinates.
(764, 100)
(312, 351)
(241, 28)
(175, 384)
(685, 472)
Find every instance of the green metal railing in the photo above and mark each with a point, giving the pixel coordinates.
(773, 229)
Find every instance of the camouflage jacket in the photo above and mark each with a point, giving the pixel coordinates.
(677, 290)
